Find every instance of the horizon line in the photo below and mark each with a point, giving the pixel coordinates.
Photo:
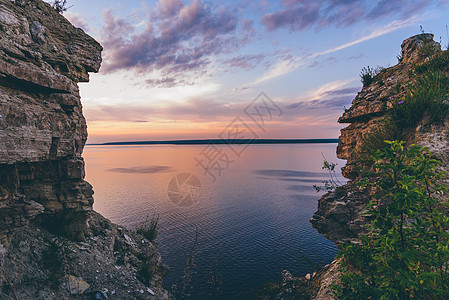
(221, 141)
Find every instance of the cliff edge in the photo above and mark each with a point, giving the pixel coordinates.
(340, 213)
(52, 244)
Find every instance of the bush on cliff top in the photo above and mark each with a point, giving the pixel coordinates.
(149, 228)
(405, 253)
(427, 96)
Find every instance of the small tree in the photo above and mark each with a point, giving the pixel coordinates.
(60, 6)
(405, 253)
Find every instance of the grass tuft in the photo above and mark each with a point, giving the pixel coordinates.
(149, 229)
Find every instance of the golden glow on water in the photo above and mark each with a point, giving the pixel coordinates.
(252, 218)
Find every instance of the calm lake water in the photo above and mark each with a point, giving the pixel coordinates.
(252, 218)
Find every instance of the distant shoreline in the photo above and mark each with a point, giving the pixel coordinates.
(222, 141)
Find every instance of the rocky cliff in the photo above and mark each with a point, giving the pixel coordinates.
(47, 226)
(42, 128)
(339, 215)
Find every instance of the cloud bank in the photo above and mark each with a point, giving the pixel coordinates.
(298, 15)
(175, 38)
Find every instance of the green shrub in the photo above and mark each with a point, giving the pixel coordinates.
(53, 260)
(149, 229)
(405, 253)
(366, 76)
(333, 182)
(145, 273)
(437, 62)
(384, 130)
(428, 95)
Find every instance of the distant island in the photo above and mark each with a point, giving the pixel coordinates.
(222, 141)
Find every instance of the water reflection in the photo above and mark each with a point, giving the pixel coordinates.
(253, 219)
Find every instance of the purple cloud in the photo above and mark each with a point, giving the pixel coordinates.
(333, 99)
(245, 62)
(345, 91)
(355, 56)
(77, 20)
(176, 39)
(167, 82)
(295, 19)
(299, 14)
(197, 109)
(168, 8)
(143, 170)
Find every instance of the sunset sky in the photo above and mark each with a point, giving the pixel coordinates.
(186, 69)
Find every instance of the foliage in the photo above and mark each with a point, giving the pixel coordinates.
(53, 260)
(60, 6)
(366, 76)
(384, 130)
(405, 253)
(427, 49)
(438, 62)
(268, 290)
(333, 182)
(428, 95)
(145, 273)
(149, 229)
(189, 270)
(7, 288)
(447, 35)
(186, 284)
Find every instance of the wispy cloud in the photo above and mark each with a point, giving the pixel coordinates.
(245, 62)
(284, 67)
(390, 27)
(208, 109)
(143, 170)
(334, 95)
(77, 20)
(299, 15)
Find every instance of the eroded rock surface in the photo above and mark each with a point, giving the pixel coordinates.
(42, 128)
(340, 214)
(52, 245)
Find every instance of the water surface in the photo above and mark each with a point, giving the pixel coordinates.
(253, 219)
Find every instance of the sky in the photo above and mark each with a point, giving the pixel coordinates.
(176, 69)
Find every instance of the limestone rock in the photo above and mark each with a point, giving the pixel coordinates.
(49, 234)
(340, 214)
(42, 128)
(42, 265)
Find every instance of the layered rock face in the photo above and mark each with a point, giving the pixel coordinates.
(52, 245)
(42, 128)
(340, 213)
